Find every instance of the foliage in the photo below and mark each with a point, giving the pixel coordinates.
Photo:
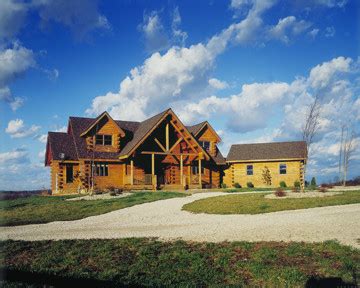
(313, 182)
(40, 209)
(280, 192)
(252, 203)
(266, 176)
(283, 184)
(295, 189)
(237, 185)
(139, 262)
(223, 185)
(250, 185)
(297, 184)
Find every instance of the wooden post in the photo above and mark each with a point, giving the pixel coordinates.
(189, 174)
(181, 170)
(153, 164)
(132, 172)
(167, 136)
(200, 182)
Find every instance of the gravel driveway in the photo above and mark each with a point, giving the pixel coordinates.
(164, 219)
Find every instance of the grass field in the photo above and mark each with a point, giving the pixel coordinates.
(147, 262)
(44, 209)
(256, 203)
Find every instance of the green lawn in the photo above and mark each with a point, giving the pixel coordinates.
(44, 209)
(256, 203)
(148, 262)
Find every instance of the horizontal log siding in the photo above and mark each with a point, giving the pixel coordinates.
(236, 173)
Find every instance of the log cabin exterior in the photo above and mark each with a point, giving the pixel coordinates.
(158, 153)
(266, 164)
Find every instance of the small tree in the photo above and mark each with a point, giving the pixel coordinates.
(311, 126)
(348, 150)
(266, 176)
(313, 182)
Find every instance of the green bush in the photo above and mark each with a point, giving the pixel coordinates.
(313, 182)
(223, 185)
(297, 184)
(283, 184)
(237, 185)
(250, 185)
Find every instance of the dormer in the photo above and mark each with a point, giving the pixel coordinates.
(104, 134)
(208, 138)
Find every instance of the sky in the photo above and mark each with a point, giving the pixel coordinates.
(249, 67)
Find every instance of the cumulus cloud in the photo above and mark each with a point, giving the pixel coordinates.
(154, 32)
(17, 129)
(287, 27)
(313, 33)
(12, 16)
(17, 156)
(14, 62)
(218, 84)
(179, 36)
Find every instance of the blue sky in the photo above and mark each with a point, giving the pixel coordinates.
(249, 67)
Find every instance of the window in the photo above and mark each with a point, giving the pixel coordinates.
(69, 174)
(282, 168)
(205, 145)
(249, 170)
(103, 140)
(195, 168)
(102, 170)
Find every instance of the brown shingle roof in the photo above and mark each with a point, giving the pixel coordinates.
(62, 143)
(194, 129)
(262, 151)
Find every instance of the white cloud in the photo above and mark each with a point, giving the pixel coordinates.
(286, 27)
(330, 32)
(17, 156)
(331, 3)
(43, 138)
(218, 84)
(321, 74)
(17, 129)
(154, 32)
(14, 62)
(178, 35)
(12, 16)
(314, 32)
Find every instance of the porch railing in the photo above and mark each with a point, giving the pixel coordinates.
(145, 179)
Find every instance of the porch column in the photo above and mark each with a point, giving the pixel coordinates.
(167, 136)
(132, 172)
(189, 173)
(200, 183)
(153, 180)
(181, 170)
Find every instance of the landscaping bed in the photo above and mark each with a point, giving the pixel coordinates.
(309, 194)
(257, 203)
(148, 262)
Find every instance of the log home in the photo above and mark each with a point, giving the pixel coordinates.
(266, 164)
(158, 153)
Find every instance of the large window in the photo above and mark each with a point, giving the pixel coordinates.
(282, 168)
(205, 145)
(249, 170)
(195, 168)
(69, 173)
(102, 169)
(105, 140)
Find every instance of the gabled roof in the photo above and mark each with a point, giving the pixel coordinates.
(267, 151)
(197, 128)
(60, 142)
(97, 120)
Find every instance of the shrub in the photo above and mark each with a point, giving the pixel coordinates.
(223, 185)
(98, 191)
(297, 184)
(313, 182)
(250, 185)
(280, 192)
(329, 186)
(237, 185)
(322, 189)
(295, 189)
(283, 184)
(112, 193)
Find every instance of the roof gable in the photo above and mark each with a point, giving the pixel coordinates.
(98, 119)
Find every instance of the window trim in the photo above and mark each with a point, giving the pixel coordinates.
(282, 169)
(195, 168)
(202, 144)
(102, 169)
(101, 138)
(249, 169)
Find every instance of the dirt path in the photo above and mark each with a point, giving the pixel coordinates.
(164, 219)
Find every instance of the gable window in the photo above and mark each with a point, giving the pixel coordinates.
(249, 170)
(102, 169)
(205, 145)
(282, 168)
(105, 140)
(69, 173)
(195, 168)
